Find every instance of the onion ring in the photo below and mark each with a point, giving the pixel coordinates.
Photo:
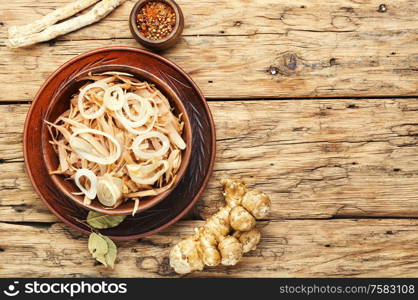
(111, 101)
(149, 155)
(83, 91)
(91, 192)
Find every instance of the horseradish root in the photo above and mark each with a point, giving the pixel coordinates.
(45, 30)
(227, 234)
(55, 16)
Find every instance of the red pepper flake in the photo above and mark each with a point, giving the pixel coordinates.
(156, 20)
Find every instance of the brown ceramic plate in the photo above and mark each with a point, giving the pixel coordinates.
(196, 176)
(60, 102)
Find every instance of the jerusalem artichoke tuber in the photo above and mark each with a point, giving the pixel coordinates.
(231, 251)
(185, 257)
(227, 234)
(240, 219)
(257, 203)
(234, 190)
(248, 239)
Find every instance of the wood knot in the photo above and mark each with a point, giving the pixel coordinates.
(237, 23)
(290, 61)
(148, 263)
(272, 70)
(287, 64)
(165, 268)
(382, 8)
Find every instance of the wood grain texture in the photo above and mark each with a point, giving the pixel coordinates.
(248, 49)
(316, 158)
(346, 248)
(322, 161)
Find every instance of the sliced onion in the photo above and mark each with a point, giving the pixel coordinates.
(149, 155)
(83, 91)
(114, 97)
(109, 189)
(134, 122)
(91, 192)
(83, 153)
(141, 173)
(145, 107)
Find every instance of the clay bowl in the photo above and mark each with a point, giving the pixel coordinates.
(162, 44)
(60, 102)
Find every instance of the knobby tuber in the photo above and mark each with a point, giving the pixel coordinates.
(227, 234)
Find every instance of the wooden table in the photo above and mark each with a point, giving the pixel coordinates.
(314, 103)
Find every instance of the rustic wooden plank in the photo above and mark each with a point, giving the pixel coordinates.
(293, 248)
(254, 49)
(316, 158)
(235, 17)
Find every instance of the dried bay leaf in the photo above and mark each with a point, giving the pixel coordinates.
(102, 259)
(101, 221)
(98, 247)
(103, 249)
(110, 256)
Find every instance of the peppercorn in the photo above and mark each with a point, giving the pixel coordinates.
(156, 20)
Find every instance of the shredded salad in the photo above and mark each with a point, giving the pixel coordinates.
(119, 140)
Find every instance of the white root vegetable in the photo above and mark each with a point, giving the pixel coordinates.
(90, 193)
(226, 235)
(50, 19)
(98, 12)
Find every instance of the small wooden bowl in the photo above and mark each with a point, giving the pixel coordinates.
(60, 102)
(162, 44)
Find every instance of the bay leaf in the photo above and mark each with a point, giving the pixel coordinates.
(112, 252)
(101, 221)
(102, 259)
(98, 247)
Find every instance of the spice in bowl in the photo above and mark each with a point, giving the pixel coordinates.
(156, 20)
